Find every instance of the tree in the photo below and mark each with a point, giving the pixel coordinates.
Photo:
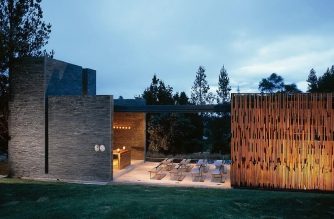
(181, 99)
(22, 33)
(291, 88)
(271, 84)
(326, 81)
(170, 132)
(224, 88)
(158, 93)
(200, 94)
(312, 81)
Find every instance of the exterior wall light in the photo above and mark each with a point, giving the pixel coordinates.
(98, 148)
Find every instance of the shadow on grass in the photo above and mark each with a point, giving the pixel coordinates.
(31, 199)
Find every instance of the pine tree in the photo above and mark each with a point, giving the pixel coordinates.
(181, 99)
(158, 93)
(223, 91)
(200, 94)
(326, 81)
(151, 93)
(312, 81)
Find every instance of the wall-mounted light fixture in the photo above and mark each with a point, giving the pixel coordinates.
(98, 148)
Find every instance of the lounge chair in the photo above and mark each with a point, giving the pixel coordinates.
(185, 165)
(218, 171)
(163, 161)
(157, 172)
(177, 173)
(197, 173)
(218, 163)
(204, 164)
(168, 164)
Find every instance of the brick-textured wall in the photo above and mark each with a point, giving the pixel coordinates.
(26, 120)
(133, 138)
(76, 125)
(74, 121)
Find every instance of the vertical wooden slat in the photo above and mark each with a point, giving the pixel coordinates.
(283, 141)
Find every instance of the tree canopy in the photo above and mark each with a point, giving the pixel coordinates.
(312, 81)
(271, 84)
(200, 94)
(224, 88)
(275, 83)
(22, 33)
(291, 88)
(158, 93)
(170, 132)
(324, 83)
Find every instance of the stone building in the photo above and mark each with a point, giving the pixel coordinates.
(57, 120)
(60, 129)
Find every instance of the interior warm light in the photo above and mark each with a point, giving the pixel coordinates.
(123, 147)
(118, 150)
(122, 127)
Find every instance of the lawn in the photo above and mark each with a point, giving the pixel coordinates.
(32, 199)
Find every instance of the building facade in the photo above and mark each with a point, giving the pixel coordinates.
(56, 122)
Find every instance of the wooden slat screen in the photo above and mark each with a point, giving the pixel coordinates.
(283, 141)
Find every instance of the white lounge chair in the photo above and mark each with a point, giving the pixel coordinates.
(197, 173)
(218, 171)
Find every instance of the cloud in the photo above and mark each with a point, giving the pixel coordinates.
(290, 64)
(291, 57)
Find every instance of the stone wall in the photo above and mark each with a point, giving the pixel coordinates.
(76, 125)
(26, 120)
(133, 138)
(62, 147)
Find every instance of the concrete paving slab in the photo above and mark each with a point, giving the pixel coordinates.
(138, 173)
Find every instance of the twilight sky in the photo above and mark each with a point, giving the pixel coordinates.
(127, 41)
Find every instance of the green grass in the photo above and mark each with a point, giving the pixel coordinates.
(32, 199)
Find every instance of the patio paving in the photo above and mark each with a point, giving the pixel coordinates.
(138, 173)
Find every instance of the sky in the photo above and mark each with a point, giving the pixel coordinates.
(128, 41)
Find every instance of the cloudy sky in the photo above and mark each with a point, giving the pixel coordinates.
(127, 41)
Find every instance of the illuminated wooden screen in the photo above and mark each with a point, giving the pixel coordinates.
(283, 141)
